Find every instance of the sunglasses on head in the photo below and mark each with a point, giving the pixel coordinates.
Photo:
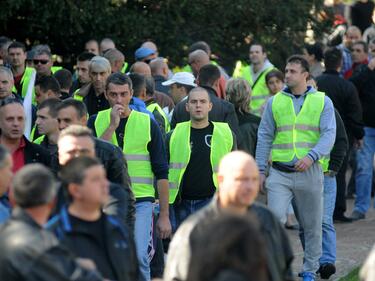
(40, 61)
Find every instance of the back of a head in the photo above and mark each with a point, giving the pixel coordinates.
(140, 67)
(316, 50)
(139, 83)
(157, 65)
(64, 77)
(46, 83)
(114, 55)
(208, 75)
(85, 56)
(200, 45)
(332, 58)
(228, 242)
(34, 185)
(237, 92)
(74, 170)
(150, 86)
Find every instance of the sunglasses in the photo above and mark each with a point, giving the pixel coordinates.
(40, 61)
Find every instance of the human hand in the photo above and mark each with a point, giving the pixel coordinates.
(163, 227)
(303, 164)
(116, 112)
(262, 181)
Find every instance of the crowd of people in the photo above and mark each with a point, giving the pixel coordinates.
(114, 171)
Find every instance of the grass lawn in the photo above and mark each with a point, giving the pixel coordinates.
(352, 276)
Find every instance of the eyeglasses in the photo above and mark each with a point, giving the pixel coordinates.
(40, 61)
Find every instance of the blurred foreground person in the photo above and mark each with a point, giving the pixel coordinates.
(28, 252)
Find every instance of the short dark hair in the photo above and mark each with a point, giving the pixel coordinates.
(17, 45)
(332, 58)
(79, 106)
(198, 89)
(139, 82)
(74, 170)
(199, 45)
(316, 50)
(46, 83)
(150, 86)
(52, 105)
(298, 59)
(256, 43)
(34, 185)
(363, 44)
(85, 56)
(208, 75)
(119, 78)
(64, 77)
(274, 73)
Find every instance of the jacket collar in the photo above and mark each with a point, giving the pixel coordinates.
(20, 214)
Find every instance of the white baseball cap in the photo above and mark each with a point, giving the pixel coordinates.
(184, 78)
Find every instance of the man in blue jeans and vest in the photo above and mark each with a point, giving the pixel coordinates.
(195, 148)
(140, 138)
(298, 129)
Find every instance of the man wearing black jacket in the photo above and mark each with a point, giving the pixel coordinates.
(37, 255)
(364, 79)
(12, 125)
(345, 99)
(86, 230)
(222, 111)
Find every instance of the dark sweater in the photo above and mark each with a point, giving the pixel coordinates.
(345, 99)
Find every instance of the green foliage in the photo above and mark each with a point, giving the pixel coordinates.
(227, 25)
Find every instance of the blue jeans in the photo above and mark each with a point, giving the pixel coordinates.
(329, 232)
(363, 176)
(187, 207)
(143, 237)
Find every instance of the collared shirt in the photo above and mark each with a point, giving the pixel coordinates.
(19, 156)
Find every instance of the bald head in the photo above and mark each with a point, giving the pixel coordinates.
(197, 59)
(150, 45)
(141, 68)
(159, 67)
(238, 179)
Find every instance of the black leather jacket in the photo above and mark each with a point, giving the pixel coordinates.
(28, 252)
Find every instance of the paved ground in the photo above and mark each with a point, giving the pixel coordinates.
(354, 241)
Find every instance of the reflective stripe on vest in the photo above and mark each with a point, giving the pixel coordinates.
(137, 135)
(260, 92)
(155, 106)
(179, 147)
(296, 135)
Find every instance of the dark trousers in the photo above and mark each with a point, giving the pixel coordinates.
(340, 206)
